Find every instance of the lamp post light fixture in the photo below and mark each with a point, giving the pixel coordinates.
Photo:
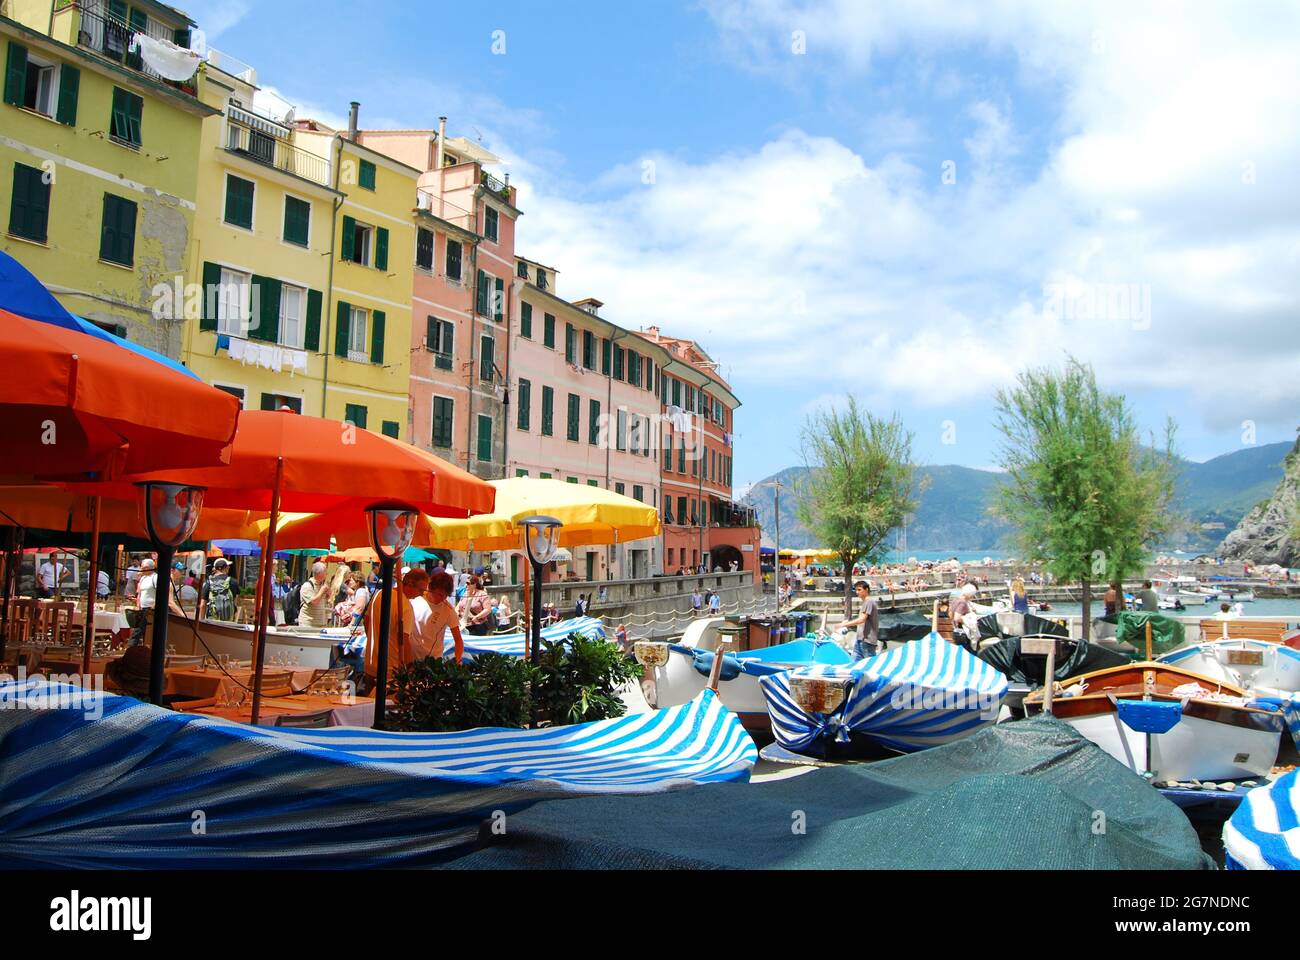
(391, 525)
(541, 540)
(170, 512)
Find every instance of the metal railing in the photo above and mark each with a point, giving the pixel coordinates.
(110, 37)
(259, 139)
(433, 203)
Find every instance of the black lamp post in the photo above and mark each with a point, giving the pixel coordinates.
(392, 525)
(170, 512)
(541, 539)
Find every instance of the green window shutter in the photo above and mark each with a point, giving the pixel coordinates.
(424, 249)
(484, 439)
(29, 211)
(211, 281)
(267, 291)
(356, 414)
(349, 238)
(311, 335)
(381, 249)
(117, 10)
(377, 319)
(134, 107)
(589, 350)
(525, 404)
(181, 37)
(391, 429)
(548, 411)
(618, 362)
(297, 221)
(343, 322)
(604, 356)
(69, 88)
(488, 360)
(548, 331)
(366, 179)
(481, 294)
(575, 415)
(239, 202)
(526, 320)
(668, 453)
(593, 425)
(443, 410)
(499, 304)
(16, 75)
(570, 343)
(117, 233)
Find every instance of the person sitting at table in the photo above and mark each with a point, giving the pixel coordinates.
(314, 610)
(218, 597)
(400, 624)
(433, 615)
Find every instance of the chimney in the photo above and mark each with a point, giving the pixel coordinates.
(653, 331)
(442, 139)
(352, 121)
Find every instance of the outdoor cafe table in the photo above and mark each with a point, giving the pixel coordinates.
(344, 711)
(201, 684)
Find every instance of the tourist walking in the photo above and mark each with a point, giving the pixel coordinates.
(865, 624)
(217, 602)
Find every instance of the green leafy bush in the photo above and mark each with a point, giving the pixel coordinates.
(573, 682)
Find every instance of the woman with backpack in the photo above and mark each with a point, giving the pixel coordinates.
(218, 602)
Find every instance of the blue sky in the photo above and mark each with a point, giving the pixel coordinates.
(1120, 186)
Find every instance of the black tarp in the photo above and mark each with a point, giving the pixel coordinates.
(1084, 658)
(1022, 795)
(1035, 626)
(901, 627)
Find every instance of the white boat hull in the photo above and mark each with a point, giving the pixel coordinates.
(1195, 749)
(1264, 669)
(236, 640)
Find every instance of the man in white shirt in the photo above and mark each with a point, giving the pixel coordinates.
(316, 595)
(49, 575)
(434, 615)
(104, 584)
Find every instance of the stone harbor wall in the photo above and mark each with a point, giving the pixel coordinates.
(1268, 533)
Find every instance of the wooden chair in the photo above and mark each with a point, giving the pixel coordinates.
(56, 622)
(1270, 631)
(277, 683)
(304, 721)
(23, 615)
(324, 679)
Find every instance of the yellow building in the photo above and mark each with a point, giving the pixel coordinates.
(98, 161)
(262, 253)
(366, 324)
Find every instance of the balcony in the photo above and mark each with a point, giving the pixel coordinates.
(110, 37)
(499, 188)
(266, 142)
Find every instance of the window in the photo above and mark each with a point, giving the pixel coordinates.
(233, 391)
(544, 476)
(484, 439)
(620, 488)
(638, 493)
(491, 225)
(634, 438)
(618, 362)
(483, 294)
(239, 202)
(548, 331)
(117, 234)
(593, 426)
(572, 480)
(525, 404)
(443, 410)
(366, 176)
(234, 298)
(424, 249)
(40, 85)
(276, 401)
(677, 393)
(589, 350)
(521, 270)
(681, 511)
(297, 221)
(355, 414)
(570, 343)
(440, 339)
(391, 429)
(634, 368)
(454, 253)
(604, 356)
(526, 320)
(668, 456)
(499, 299)
(124, 124)
(358, 342)
(520, 472)
(681, 456)
(548, 411)
(541, 279)
(357, 241)
(621, 439)
(487, 359)
(593, 483)
(29, 210)
(293, 301)
(575, 416)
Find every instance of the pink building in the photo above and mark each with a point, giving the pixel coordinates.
(465, 241)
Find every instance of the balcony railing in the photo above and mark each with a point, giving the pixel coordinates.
(431, 202)
(495, 185)
(110, 37)
(259, 139)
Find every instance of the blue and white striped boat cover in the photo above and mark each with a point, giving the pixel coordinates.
(514, 644)
(1264, 832)
(140, 786)
(921, 694)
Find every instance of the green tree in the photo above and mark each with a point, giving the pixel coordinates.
(1087, 496)
(860, 484)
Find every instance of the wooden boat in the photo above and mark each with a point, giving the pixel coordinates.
(1261, 668)
(1134, 714)
(310, 647)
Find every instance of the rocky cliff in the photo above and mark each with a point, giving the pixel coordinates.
(1268, 533)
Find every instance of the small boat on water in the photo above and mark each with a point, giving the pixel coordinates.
(1166, 721)
(1261, 668)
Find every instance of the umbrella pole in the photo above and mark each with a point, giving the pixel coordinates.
(263, 604)
(88, 633)
(386, 565)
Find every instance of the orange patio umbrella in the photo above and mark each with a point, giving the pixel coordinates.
(75, 405)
